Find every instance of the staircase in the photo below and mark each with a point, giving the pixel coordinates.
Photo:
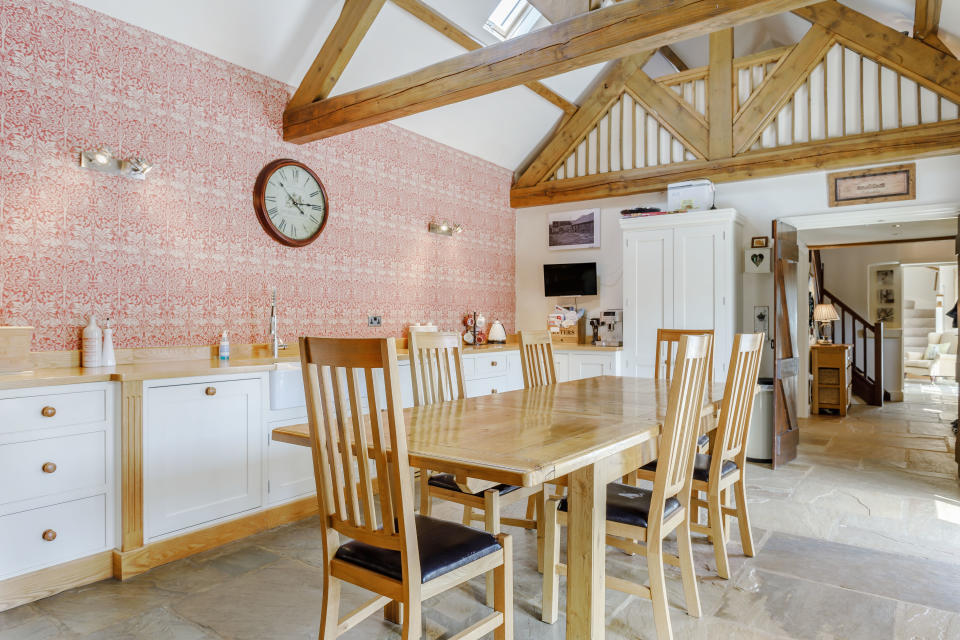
(917, 323)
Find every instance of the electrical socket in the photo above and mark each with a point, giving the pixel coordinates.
(374, 321)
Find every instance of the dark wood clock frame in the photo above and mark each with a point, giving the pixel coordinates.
(260, 205)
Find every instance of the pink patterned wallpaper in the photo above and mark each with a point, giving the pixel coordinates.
(180, 257)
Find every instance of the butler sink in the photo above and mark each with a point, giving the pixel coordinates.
(286, 386)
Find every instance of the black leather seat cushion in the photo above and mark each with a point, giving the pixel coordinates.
(444, 546)
(701, 467)
(448, 482)
(630, 505)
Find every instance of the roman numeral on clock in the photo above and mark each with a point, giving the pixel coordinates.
(315, 193)
(272, 211)
(282, 225)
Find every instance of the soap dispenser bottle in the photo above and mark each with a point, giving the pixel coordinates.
(109, 357)
(92, 343)
(224, 347)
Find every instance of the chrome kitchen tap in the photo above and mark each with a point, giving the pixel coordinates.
(276, 344)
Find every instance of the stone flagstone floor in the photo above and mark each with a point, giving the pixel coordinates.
(858, 538)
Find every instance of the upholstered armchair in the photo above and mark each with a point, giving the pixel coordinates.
(939, 360)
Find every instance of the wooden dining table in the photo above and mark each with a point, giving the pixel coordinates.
(594, 431)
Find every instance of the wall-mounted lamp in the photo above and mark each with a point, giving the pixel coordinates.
(445, 228)
(104, 161)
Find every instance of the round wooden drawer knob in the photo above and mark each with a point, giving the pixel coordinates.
(211, 391)
(48, 412)
(493, 390)
(49, 535)
(493, 363)
(49, 467)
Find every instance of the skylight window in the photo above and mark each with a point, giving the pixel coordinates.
(512, 18)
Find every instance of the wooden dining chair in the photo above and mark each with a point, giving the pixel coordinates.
(638, 520)
(402, 557)
(437, 372)
(536, 359)
(668, 340)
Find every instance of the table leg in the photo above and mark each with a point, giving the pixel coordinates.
(586, 544)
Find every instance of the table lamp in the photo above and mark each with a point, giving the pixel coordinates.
(824, 314)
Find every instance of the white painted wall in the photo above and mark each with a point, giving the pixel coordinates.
(845, 270)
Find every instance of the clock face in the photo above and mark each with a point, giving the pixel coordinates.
(291, 203)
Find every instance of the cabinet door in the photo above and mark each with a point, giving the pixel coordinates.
(701, 297)
(561, 362)
(289, 466)
(202, 453)
(591, 365)
(648, 296)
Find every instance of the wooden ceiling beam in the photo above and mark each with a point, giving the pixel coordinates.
(720, 95)
(778, 88)
(668, 108)
(602, 93)
(559, 10)
(933, 69)
(613, 32)
(915, 142)
(926, 18)
(432, 18)
(672, 57)
(354, 21)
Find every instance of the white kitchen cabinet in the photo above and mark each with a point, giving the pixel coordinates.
(289, 466)
(680, 272)
(561, 364)
(202, 453)
(590, 365)
(56, 475)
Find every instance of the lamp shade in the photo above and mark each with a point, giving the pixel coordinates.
(825, 313)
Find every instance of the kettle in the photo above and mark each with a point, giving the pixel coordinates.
(497, 333)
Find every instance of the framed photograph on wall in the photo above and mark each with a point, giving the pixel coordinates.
(756, 260)
(884, 299)
(574, 229)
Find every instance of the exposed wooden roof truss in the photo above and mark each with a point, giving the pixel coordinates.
(851, 92)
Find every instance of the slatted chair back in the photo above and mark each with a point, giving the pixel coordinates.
(435, 367)
(536, 358)
(350, 434)
(668, 341)
(682, 423)
(736, 410)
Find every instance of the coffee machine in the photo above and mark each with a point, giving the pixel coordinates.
(611, 328)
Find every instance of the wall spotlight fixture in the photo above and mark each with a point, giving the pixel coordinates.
(104, 161)
(445, 228)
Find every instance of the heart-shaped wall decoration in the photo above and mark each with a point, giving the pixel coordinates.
(757, 259)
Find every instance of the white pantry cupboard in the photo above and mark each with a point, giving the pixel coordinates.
(680, 272)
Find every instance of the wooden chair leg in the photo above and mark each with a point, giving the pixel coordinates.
(717, 535)
(541, 499)
(531, 508)
(467, 515)
(426, 506)
(658, 588)
(330, 608)
(503, 590)
(549, 609)
(393, 612)
(491, 521)
(687, 571)
(727, 524)
(413, 622)
(743, 520)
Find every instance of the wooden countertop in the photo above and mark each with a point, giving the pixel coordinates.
(186, 368)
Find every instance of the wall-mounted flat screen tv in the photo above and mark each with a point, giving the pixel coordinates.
(576, 279)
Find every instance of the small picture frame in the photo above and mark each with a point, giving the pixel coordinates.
(756, 260)
(758, 242)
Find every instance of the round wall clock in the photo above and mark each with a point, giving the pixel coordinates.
(290, 202)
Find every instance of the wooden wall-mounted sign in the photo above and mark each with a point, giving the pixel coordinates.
(883, 184)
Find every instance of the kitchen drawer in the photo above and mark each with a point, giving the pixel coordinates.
(80, 527)
(53, 410)
(71, 462)
(491, 365)
(830, 395)
(829, 376)
(486, 386)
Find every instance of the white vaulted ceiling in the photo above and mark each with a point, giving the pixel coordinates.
(280, 39)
